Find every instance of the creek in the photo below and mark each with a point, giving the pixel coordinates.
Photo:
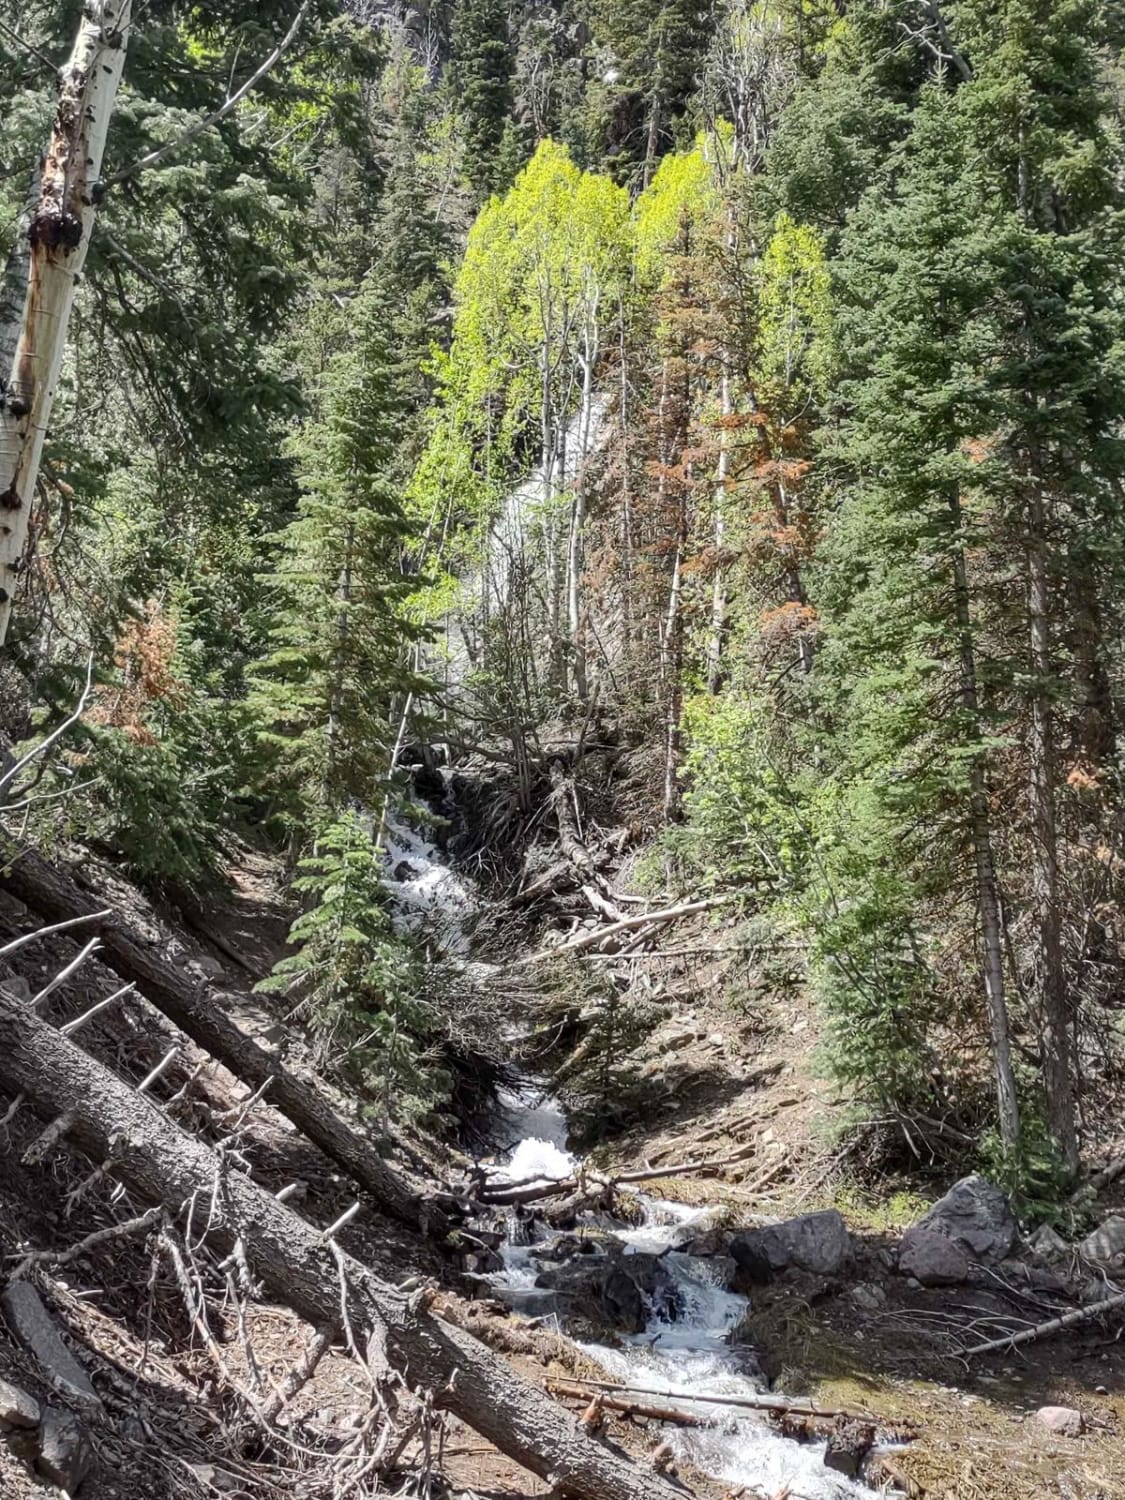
(684, 1346)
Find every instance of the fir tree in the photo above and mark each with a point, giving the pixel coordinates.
(340, 645)
(482, 67)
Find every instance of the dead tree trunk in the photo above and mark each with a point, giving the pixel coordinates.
(162, 1163)
(58, 237)
(55, 897)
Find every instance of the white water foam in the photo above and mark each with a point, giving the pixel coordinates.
(426, 895)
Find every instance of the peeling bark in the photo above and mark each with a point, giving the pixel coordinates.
(58, 237)
(54, 896)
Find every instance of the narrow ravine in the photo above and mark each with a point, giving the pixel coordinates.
(685, 1346)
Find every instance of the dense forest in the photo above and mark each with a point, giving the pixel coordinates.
(690, 436)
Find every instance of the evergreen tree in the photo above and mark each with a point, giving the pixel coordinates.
(340, 642)
(482, 67)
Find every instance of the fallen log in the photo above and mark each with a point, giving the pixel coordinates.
(787, 1406)
(162, 1163)
(1052, 1325)
(533, 1189)
(671, 1414)
(55, 896)
(598, 935)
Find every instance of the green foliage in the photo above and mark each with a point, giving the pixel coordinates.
(358, 984)
(339, 651)
(482, 82)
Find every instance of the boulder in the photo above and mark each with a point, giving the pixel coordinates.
(847, 1447)
(868, 1296)
(1106, 1246)
(817, 1242)
(1047, 1246)
(621, 1291)
(64, 1450)
(34, 1327)
(1062, 1420)
(977, 1214)
(932, 1258)
(17, 1408)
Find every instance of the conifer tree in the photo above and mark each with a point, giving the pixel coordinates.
(339, 644)
(482, 67)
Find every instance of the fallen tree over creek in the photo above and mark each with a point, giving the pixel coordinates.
(303, 1268)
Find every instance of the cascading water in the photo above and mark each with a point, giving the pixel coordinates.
(684, 1349)
(686, 1354)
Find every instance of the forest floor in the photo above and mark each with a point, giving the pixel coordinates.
(730, 1075)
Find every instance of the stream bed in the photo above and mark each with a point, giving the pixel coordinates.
(680, 1315)
(684, 1349)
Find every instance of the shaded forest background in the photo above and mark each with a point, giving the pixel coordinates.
(743, 383)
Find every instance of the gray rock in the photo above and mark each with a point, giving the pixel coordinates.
(977, 1214)
(17, 1408)
(1047, 1246)
(64, 1450)
(34, 1327)
(707, 1242)
(868, 1297)
(1106, 1246)
(622, 1291)
(932, 1258)
(1063, 1420)
(817, 1242)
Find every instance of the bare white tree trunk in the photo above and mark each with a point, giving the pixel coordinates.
(58, 238)
(719, 587)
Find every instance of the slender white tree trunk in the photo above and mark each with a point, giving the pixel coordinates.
(58, 238)
(719, 587)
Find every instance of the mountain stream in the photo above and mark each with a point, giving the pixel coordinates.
(685, 1349)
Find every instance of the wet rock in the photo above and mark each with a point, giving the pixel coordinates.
(847, 1448)
(34, 1327)
(482, 1262)
(64, 1450)
(1064, 1421)
(932, 1258)
(707, 1242)
(1047, 1246)
(17, 1408)
(621, 1291)
(977, 1214)
(817, 1242)
(1106, 1246)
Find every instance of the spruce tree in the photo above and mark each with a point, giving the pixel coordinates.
(340, 643)
(482, 67)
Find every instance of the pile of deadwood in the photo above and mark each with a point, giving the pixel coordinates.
(205, 1198)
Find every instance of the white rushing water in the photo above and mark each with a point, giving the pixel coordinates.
(427, 895)
(689, 1355)
(684, 1356)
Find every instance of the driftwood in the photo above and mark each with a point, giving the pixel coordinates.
(56, 897)
(775, 1405)
(629, 1408)
(159, 1162)
(599, 935)
(531, 1190)
(1052, 1325)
